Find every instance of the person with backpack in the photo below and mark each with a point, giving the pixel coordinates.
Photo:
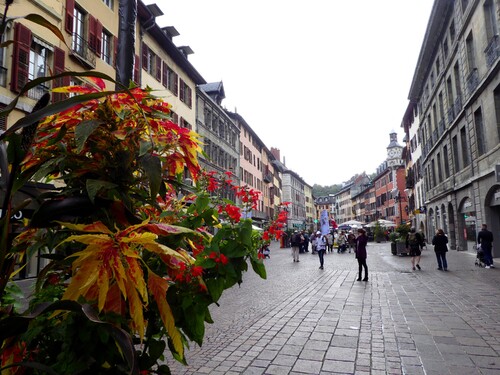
(296, 241)
(321, 248)
(485, 239)
(351, 241)
(413, 241)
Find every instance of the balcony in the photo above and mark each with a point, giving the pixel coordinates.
(81, 51)
(37, 92)
(450, 115)
(492, 51)
(472, 81)
(267, 177)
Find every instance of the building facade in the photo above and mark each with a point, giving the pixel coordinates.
(456, 87)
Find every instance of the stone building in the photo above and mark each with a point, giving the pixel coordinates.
(456, 92)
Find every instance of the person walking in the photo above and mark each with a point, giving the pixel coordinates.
(360, 251)
(321, 248)
(341, 241)
(413, 242)
(440, 241)
(485, 239)
(295, 245)
(351, 241)
(306, 241)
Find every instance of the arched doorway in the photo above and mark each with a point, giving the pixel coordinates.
(492, 213)
(431, 224)
(452, 233)
(467, 225)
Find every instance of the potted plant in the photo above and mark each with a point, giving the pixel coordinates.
(378, 232)
(398, 239)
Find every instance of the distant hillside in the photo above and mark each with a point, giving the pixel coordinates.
(322, 191)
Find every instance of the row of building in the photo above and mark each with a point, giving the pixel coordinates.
(448, 174)
(445, 175)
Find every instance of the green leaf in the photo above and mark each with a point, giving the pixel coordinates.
(259, 268)
(38, 19)
(152, 167)
(83, 130)
(93, 187)
(144, 147)
(156, 348)
(215, 287)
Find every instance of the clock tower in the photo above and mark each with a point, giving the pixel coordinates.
(394, 152)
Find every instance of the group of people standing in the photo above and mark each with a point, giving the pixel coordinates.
(321, 243)
(324, 242)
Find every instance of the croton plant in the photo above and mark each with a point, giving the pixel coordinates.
(137, 256)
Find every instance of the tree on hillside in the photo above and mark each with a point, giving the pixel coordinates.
(321, 191)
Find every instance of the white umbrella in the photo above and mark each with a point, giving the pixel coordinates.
(255, 227)
(353, 222)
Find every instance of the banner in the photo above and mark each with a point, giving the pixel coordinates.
(324, 222)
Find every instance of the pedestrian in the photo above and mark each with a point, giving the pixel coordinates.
(329, 244)
(314, 238)
(360, 251)
(341, 241)
(413, 242)
(295, 245)
(321, 248)
(485, 239)
(440, 241)
(351, 241)
(306, 241)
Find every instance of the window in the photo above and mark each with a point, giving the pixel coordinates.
(449, 92)
(452, 32)
(38, 67)
(171, 80)
(78, 43)
(481, 141)
(108, 3)
(496, 98)
(465, 3)
(490, 19)
(106, 50)
(445, 159)
(471, 58)
(185, 93)
(439, 172)
(456, 161)
(463, 141)
(150, 61)
(32, 59)
(458, 87)
(445, 47)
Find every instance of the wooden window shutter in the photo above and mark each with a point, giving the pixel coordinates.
(158, 68)
(59, 65)
(70, 9)
(145, 56)
(164, 80)
(115, 49)
(136, 69)
(21, 57)
(92, 35)
(175, 77)
(181, 92)
(189, 96)
(3, 119)
(98, 33)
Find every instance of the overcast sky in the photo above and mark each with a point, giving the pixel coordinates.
(324, 81)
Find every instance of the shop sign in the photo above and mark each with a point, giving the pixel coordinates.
(17, 216)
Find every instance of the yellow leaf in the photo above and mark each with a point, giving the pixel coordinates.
(97, 227)
(103, 287)
(158, 287)
(135, 309)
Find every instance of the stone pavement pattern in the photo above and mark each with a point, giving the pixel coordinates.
(303, 320)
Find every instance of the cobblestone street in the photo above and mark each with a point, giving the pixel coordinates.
(303, 320)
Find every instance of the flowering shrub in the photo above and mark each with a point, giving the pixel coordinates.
(137, 256)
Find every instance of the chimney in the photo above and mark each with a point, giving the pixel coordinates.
(276, 153)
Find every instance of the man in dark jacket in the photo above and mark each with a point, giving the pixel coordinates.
(485, 238)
